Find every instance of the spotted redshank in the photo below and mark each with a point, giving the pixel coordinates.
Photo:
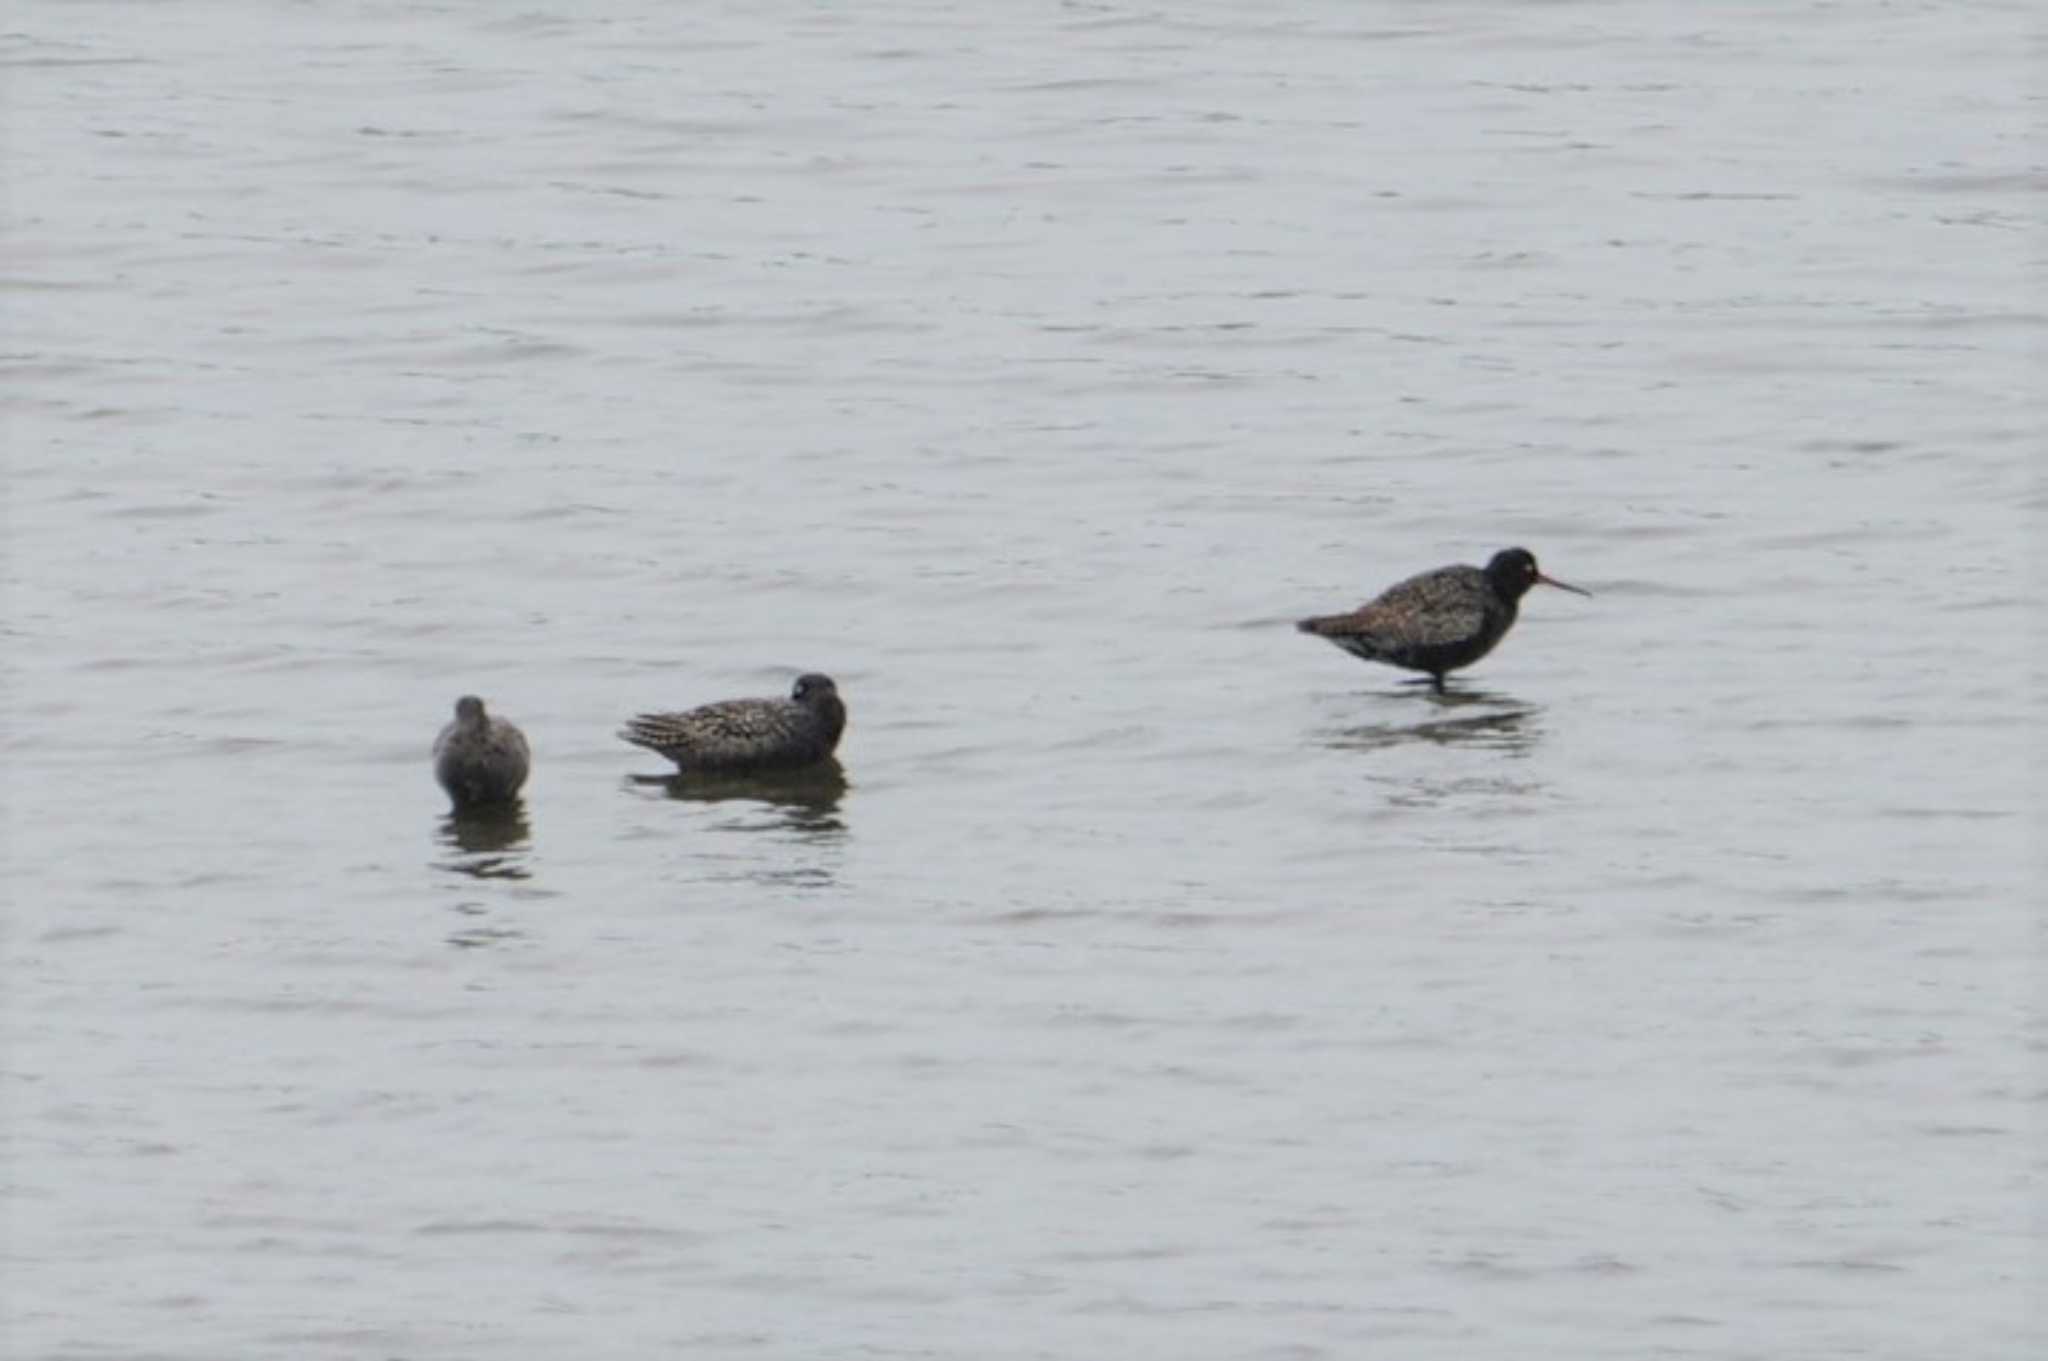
(1438, 621)
(479, 759)
(742, 736)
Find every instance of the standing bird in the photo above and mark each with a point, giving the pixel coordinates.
(478, 759)
(748, 736)
(1441, 620)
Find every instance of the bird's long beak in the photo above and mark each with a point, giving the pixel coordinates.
(1553, 581)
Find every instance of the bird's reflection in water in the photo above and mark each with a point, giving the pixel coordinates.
(799, 809)
(1457, 718)
(803, 801)
(488, 843)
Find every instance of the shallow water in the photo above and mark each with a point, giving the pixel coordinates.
(1153, 981)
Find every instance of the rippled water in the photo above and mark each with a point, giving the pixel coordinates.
(1156, 982)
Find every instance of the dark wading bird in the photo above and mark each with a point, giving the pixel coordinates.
(478, 759)
(1441, 620)
(748, 736)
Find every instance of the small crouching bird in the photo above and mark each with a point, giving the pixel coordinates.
(478, 759)
(1438, 621)
(748, 736)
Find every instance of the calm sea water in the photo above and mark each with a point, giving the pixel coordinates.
(1157, 983)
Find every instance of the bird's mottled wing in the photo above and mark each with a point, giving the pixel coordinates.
(734, 732)
(1435, 609)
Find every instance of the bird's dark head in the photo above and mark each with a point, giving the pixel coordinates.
(813, 688)
(821, 697)
(1513, 571)
(469, 709)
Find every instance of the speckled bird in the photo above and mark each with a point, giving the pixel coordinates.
(1439, 621)
(479, 759)
(746, 736)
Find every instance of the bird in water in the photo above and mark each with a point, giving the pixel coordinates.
(1438, 621)
(478, 759)
(747, 736)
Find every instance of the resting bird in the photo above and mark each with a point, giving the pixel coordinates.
(479, 759)
(745, 736)
(1441, 620)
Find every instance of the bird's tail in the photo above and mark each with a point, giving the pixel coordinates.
(1348, 632)
(653, 731)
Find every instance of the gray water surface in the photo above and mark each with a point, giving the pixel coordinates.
(1155, 982)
